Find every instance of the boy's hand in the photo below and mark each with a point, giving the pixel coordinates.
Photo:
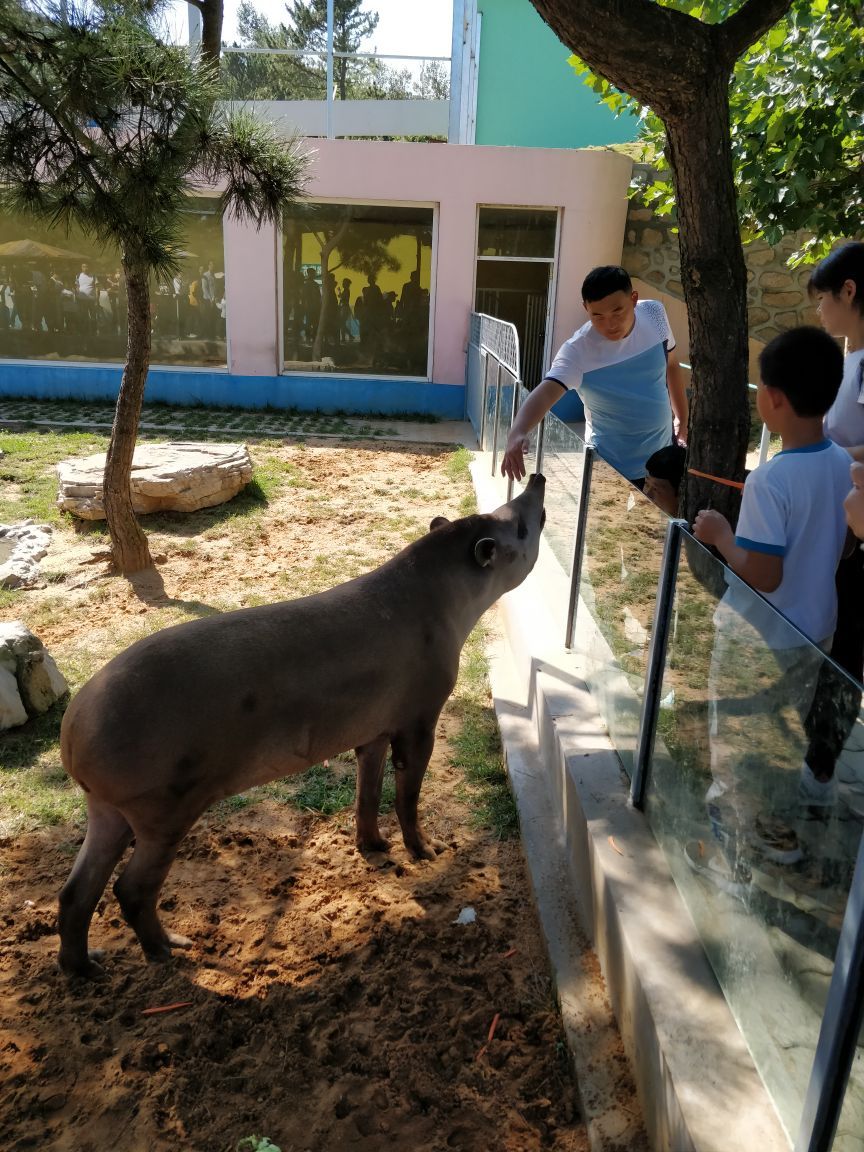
(513, 460)
(713, 528)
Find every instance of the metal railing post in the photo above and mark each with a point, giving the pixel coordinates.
(496, 417)
(841, 1026)
(656, 660)
(541, 434)
(579, 545)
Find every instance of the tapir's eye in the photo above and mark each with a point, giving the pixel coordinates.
(521, 529)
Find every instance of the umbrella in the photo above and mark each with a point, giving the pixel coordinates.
(36, 250)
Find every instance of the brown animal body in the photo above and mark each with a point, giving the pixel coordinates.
(212, 707)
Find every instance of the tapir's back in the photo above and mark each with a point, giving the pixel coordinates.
(278, 686)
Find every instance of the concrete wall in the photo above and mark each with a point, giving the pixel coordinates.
(776, 294)
(589, 188)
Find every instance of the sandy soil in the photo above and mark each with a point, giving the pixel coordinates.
(329, 1001)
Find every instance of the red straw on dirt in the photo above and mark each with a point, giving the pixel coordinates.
(165, 1008)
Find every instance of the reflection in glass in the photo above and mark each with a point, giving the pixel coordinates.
(64, 297)
(356, 288)
(563, 461)
(517, 232)
(620, 574)
(764, 875)
(506, 384)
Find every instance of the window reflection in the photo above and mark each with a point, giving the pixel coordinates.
(356, 288)
(69, 302)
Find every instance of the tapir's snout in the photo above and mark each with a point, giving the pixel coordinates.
(536, 480)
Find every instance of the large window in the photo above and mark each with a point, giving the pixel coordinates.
(64, 298)
(356, 288)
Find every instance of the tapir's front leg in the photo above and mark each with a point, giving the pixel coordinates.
(411, 753)
(370, 778)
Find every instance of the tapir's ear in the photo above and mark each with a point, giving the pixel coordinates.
(484, 551)
(438, 522)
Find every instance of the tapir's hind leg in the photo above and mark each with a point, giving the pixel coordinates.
(139, 884)
(108, 836)
(411, 753)
(370, 778)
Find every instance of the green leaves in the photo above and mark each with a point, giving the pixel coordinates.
(796, 122)
(104, 125)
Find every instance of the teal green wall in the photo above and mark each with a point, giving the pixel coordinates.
(528, 94)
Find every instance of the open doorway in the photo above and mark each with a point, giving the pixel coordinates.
(515, 260)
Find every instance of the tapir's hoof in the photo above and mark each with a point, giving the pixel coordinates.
(426, 849)
(367, 844)
(161, 953)
(88, 969)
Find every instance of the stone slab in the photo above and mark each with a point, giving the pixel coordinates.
(175, 477)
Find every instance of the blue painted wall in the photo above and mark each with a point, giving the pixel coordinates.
(527, 93)
(363, 396)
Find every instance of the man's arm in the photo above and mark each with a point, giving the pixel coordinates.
(762, 570)
(527, 418)
(677, 396)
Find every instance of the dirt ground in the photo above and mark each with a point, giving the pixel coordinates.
(329, 1001)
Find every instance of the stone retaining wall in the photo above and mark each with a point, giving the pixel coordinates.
(776, 294)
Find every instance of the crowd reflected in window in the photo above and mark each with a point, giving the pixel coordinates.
(357, 289)
(69, 303)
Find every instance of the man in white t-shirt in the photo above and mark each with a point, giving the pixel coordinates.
(789, 538)
(623, 365)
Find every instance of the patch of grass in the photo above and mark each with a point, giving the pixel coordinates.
(478, 750)
(28, 470)
(458, 462)
(329, 790)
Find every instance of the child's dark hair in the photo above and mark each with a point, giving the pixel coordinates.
(830, 274)
(603, 281)
(806, 365)
(667, 464)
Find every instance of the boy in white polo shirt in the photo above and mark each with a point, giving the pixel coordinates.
(790, 535)
(622, 364)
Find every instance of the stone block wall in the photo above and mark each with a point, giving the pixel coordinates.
(776, 294)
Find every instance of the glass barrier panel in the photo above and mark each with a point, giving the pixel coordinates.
(265, 76)
(474, 387)
(356, 282)
(618, 589)
(63, 297)
(762, 859)
(563, 463)
(506, 384)
(490, 394)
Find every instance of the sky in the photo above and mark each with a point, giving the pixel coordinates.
(405, 27)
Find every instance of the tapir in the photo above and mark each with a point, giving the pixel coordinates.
(211, 707)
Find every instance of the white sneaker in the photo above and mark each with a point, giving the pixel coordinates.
(816, 793)
(716, 869)
(775, 840)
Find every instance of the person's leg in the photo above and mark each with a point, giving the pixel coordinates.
(837, 702)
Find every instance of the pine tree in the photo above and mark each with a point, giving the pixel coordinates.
(105, 127)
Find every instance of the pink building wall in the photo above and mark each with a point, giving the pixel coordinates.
(590, 187)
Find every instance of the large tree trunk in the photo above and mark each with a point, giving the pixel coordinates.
(714, 277)
(681, 68)
(211, 30)
(129, 548)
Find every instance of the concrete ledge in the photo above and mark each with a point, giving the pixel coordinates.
(696, 1082)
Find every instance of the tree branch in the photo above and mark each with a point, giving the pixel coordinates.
(753, 20)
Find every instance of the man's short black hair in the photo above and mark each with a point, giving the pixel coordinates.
(830, 274)
(667, 464)
(806, 365)
(602, 282)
